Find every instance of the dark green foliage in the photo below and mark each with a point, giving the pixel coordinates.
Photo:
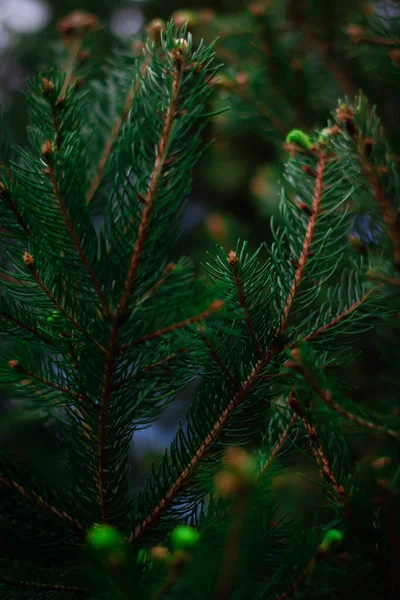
(101, 330)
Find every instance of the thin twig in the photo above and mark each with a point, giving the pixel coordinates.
(41, 502)
(250, 382)
(214, 306)
(44, 586)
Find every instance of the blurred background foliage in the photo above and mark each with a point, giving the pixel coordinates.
(286, 64)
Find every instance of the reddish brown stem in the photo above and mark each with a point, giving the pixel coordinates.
(251, 381)
(280, 443)
(305, 254)
(22, 369)
(214, 306)
(220, 363)
(299, 582)
(76, 241)
(114, 349)
(59, 306)
(27, 328)
(39, 501)
(243, 304)
(326, 397)
(339, 318)
(44, 586)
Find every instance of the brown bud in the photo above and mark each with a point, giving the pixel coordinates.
(76, 22)
(155, 28)
(305, 208)
(28, 259)
(226, 484)
(344, 112)
(3, 189)
(13, 364)
(313, 434)
(382, 462)
(232, 258)
(256, 9)
(170, 267)
(356, 33)
(241, 78)
(47, 86)
(216, 305)
(47, 148)
(160, 553)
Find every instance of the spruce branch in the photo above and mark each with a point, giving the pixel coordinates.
(280, 443)
(326, 397)
(14, 364)
(114, 349)
(345, 117)
(233, 261)
(44, 586)
(47, 151)
(11, 319)
(309, 236)
(255, 374)
(215, 306)
(118, 124)
(40, 502)
(30, 262)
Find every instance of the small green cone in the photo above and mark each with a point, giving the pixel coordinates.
(332, 538)
(184, 537)
(104, 537)
(299, 138)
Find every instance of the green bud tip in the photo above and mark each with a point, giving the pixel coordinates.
(104, 537)
(333, 537)
(299, 138)
(184, 537)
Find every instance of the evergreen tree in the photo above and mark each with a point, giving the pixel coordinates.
(102, 326)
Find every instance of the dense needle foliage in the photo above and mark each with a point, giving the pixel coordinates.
(102, 325)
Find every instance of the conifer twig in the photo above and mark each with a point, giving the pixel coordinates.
(252, 379)
(46, 149)
(14, 364)
(118, 123)
(114, 349)
(45, 586)
(214, 306)
(279, 443)
(233, 261)
(326, 397)
(22, 325)
(41, 502)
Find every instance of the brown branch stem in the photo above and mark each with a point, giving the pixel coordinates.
(39, 501)
(214, 306)
(253, 377)
(114, 349)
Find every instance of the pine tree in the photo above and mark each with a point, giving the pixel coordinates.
(102, 326)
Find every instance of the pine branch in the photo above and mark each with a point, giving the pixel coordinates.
(74, 237)
(118, 124)
(326, 397)
(14, 364)
(305, 254)
(114, 349)
(26, 327)
(234, 262)
(30, 262)
(44, 586)
(276, 449)
(253, 378)
(214, 354)
(40, 502)
(216, 305)
(339, 318)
